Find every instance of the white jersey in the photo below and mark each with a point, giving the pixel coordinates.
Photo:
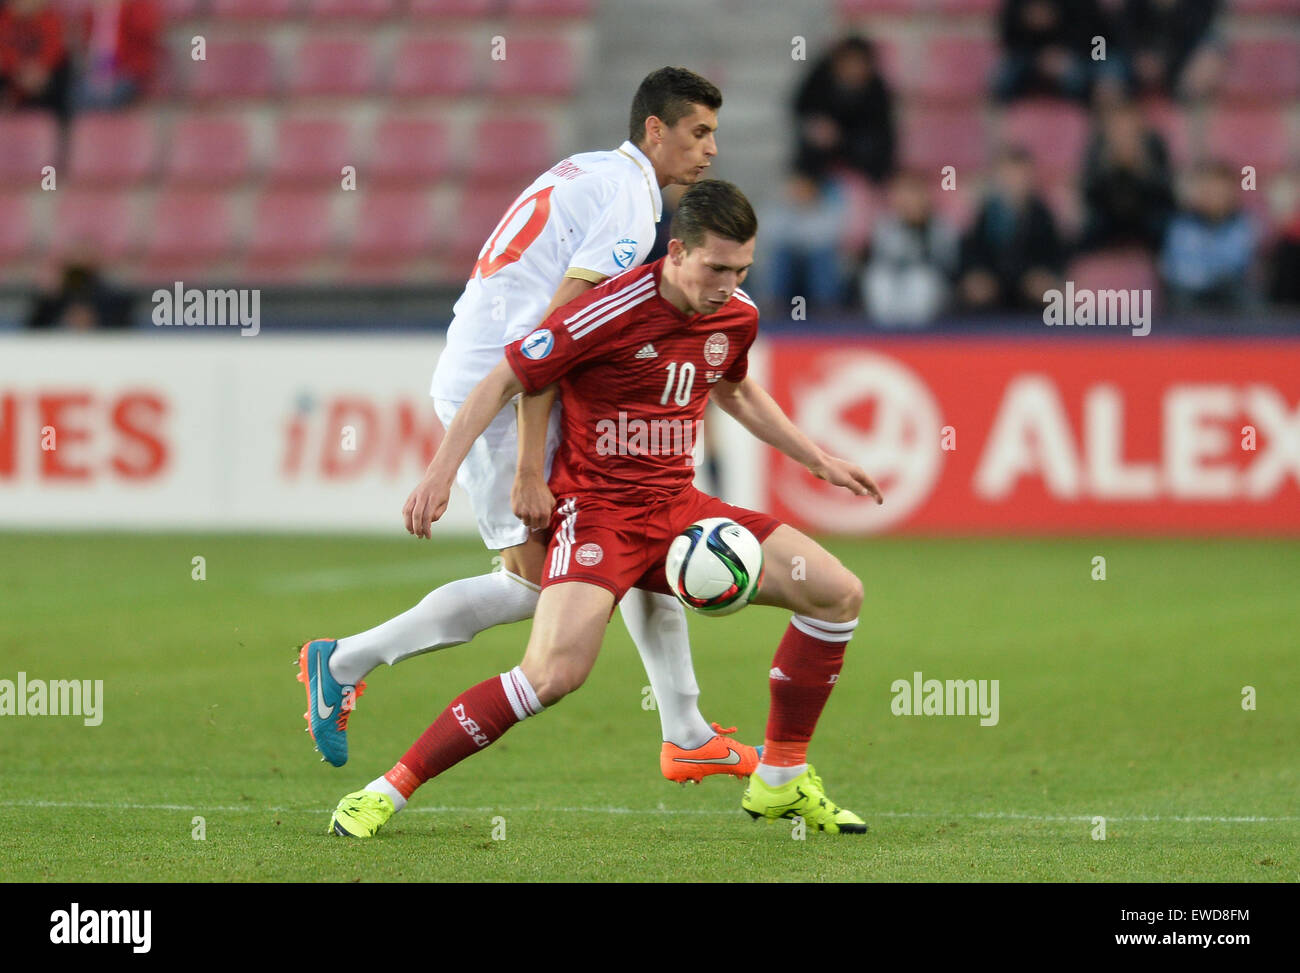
(591, 216)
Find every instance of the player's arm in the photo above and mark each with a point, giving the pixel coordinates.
(530, 498)
(750, 404)
(428, 501)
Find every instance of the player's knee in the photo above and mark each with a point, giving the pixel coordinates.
(842, 599)
(557, 681)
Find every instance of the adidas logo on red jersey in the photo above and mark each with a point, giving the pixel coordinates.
(647, 352)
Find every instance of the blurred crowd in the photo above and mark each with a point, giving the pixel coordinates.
(1206, 250)
(77, 54)
(907, 254)
(64, 58)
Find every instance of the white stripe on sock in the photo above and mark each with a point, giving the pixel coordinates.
(519, 691)
(531, 702)
(826, 631)
(516, 703)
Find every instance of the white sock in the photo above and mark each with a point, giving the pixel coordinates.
(657, 624)
(779, 776)
(449, 615)
(381, 785)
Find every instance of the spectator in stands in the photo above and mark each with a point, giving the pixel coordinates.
(1284, 287)
(1013, 252)
(914, 255)
(1210, 246)
(34, 70)
(801, 236)
(1047, 48)
(845, 116)
(1284, 261)
(81, 300)
(1172, 46)
(122, 49)
(1127, 185)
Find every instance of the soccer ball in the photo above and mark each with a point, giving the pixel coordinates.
(714, 566)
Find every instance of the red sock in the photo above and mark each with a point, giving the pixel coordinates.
(477, 717)
(804, 672)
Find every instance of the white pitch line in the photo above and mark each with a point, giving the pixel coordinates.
(487, 809)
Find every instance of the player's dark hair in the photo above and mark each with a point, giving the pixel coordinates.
(713, 206)
(670, 94)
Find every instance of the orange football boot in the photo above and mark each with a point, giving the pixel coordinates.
(718, 756)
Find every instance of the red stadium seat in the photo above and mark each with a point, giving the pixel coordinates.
(1256, 136)
(893, 66)
(255, 9)
(852, 9)
(1056, 133)
(478, 211)
(174, 10)
(1121, 269)
(549, 8)
(334, 67)
(534, 66)
(511, 149)
(958, 205)
(100, 221)
(456, 8)
(353, 8)
(111, 149)
(942, 137)
(861, 203)
(1267, 6)
(291, 226)
(189, 228)
(234, 69)
(988, 7)
(433, 66)
(15, 226)
(957, 69)
(393, 225)
(312, 150)
(1264, 71)
(209, 151)
(28, 142)
(410, 150)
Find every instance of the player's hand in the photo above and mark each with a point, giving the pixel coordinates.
(842, 473)
(426, 504)
(531, 500)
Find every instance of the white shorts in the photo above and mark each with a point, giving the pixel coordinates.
(488, 473)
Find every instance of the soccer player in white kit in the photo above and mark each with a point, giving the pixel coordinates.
(590, 217)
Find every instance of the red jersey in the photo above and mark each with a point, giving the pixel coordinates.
(634, 375)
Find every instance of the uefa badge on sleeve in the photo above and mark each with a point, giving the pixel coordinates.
(625, 253)
(538, 344)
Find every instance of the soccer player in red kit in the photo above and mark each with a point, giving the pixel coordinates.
(644, 351)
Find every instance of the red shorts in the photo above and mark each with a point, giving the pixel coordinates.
(618, 548)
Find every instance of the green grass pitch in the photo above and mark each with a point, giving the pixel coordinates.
(1119, 699)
